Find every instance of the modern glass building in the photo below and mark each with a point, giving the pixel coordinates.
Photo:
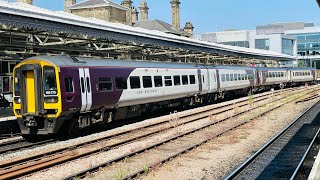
(308, 45)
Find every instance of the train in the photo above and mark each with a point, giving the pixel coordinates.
(54, 94)
(6, 98)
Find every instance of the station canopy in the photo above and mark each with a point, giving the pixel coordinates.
(27, 30)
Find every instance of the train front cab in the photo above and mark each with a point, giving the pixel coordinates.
(37, 97)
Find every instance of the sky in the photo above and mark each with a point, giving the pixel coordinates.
(218, 15)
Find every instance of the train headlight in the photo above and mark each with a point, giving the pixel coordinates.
(51, 99)
(17, 100)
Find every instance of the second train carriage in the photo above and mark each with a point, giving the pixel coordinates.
(54, 93)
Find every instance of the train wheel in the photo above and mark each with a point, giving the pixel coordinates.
(71, 128)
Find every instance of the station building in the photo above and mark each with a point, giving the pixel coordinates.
(297, 38)
(267, 37)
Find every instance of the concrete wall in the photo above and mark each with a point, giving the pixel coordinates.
(275, 41)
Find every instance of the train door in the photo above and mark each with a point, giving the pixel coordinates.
(86, 90)
(31, 86)
(200, 81)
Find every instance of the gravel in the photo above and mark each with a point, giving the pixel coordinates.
(217, 158)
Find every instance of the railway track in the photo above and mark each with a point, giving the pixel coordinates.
(282, 157)
(24, 166)
(8, 136)
(177, 138)
(19, 144)
(11, 169)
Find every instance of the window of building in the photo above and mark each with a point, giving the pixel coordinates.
(68, 83)
(168, 80)
(158, 81)
(105, 84)
(177, 80)
(135, 82)
(287, 46)
(147, 82)
(185, 80)
(121, 83)
(262, 44)
(192, 79)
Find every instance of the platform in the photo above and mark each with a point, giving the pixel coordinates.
(6, 115)
(315, 172)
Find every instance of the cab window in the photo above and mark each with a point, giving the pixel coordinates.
(49, 78)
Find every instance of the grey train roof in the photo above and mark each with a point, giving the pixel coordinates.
(87, 62)
(63, 60)
(271, 69)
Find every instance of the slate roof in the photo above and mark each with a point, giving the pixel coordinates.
(157, 25)
(96, 3)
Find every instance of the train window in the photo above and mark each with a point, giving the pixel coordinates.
(158, 81)
(239, 77)
(68, 83)
(6, 84)
(228, 77)
(242, 77)
(121, 83)
(231, 77)
(223, 78)
(135, 82)
(49, 78)
(185, 80)
(88, 85)
(104, 84)
(168, 81)
(177, 80)
(235, 78)
(17, 82)
(192, 79)
(147, 82)
(82, 85)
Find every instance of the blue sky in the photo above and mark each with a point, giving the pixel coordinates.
(213, 15)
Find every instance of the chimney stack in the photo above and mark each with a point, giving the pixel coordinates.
(144, 11)
(26, 1)
(135, 15)
(67, 4)
(188, 28)
(128, 4)
(175, 4)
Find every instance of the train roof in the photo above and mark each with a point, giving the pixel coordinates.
(300, 69)
(233, 67)
(62, 61)
(271, 69)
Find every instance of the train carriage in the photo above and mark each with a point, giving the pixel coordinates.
(50, 91)
(271, 77)
(55, 94)
(302, 75)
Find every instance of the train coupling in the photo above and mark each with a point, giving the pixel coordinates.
(30, 121)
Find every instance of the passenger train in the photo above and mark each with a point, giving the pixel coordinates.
(55, 94)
